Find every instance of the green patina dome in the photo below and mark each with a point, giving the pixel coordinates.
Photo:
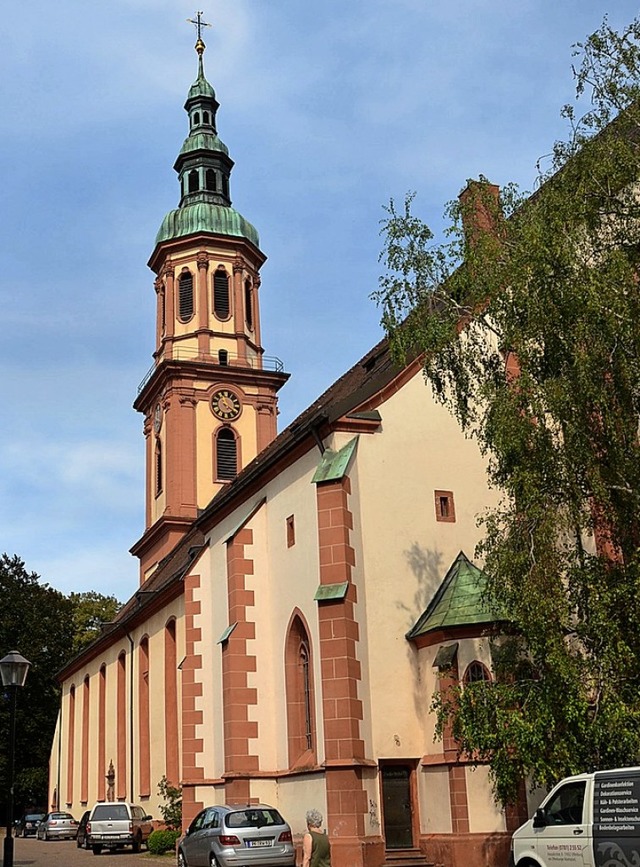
(205, 217)
(201, 87)
(203, 141)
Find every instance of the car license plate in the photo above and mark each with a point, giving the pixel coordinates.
(255, 843)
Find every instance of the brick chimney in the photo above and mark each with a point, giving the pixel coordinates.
(480, 210)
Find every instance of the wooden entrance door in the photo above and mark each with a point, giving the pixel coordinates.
(396, 805)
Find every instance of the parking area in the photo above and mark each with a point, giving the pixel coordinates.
(29, 852)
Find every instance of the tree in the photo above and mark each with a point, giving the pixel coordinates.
(36, 620)
(528, 322)
(90, 611)
(48, 628)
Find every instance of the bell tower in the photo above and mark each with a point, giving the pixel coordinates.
(210, 400)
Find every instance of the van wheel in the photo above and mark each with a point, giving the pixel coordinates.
(97, 850)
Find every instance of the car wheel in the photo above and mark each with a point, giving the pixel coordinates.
(182, 861)
(46, 837)
(212, 861)
(97, 850)
(136, 844)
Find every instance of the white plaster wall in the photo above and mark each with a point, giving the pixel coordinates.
(406, 552)
(433, 793)
(484, 814)
(298, 794)
(154, 629)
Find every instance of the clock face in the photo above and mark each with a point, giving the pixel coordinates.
(157, 419)
(225, 405)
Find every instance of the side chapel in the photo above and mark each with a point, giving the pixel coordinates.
(298, 592)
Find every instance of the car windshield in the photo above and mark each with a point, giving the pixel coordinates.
(110, 811)
(253, 818)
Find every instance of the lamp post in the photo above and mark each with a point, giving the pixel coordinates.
(13, 670)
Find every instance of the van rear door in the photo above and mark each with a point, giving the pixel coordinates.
(616, 817)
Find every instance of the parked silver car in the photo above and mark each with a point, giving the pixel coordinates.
(234, 836)
(56, 826)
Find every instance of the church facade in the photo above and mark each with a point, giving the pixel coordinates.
(300, 593)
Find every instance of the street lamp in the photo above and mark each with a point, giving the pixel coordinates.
(13, 670)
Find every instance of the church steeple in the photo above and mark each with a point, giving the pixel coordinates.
(209, 401)
(203, 165)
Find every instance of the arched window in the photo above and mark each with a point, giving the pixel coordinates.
(221, 297)
(102, 722)
(144, 753)
(171, 702)
(121, 728)
(205, 117)
(223, 357)
(211, 180)
(185, 296)
(476, 672)
(71, 745)
(299, 692)
(225, 185)
(84, 754)
(158, 467)
(194, 182)
(196, 118)
(248, 304)
(226, 455)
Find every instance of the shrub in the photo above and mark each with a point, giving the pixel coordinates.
(172, 810)
(160, 842)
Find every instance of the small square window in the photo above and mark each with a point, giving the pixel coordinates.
(445, 509)
(291, 532)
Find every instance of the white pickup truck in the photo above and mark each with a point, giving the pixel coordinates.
(113, 824)
(590, 820)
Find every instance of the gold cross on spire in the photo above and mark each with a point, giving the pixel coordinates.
(199, 24)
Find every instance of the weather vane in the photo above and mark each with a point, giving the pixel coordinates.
(199, 24)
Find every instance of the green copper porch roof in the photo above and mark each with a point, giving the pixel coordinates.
(459, 601)
(206, 217)
(333, 465)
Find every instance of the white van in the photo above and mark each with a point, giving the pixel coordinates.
(590, 820)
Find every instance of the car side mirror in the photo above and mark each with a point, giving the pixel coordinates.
(539, 819)
(148, 818)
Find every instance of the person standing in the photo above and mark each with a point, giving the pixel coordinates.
(316, 850)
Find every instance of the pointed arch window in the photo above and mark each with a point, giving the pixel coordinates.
(194, 181)
(225, 185)
(476, 673)
(196, 118)
(226, 455)
(248, 304)
(221, 296)
(185, 296)
(205, 117)
(300, 694)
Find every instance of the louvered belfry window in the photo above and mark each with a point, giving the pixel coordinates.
(226, 455)
(248, 304)
(221, 301)
(185, 296)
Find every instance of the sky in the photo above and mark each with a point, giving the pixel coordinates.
(329, 110)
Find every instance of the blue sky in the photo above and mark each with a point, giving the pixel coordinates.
(329, 110)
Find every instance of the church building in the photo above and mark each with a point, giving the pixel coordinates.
(299, 591)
